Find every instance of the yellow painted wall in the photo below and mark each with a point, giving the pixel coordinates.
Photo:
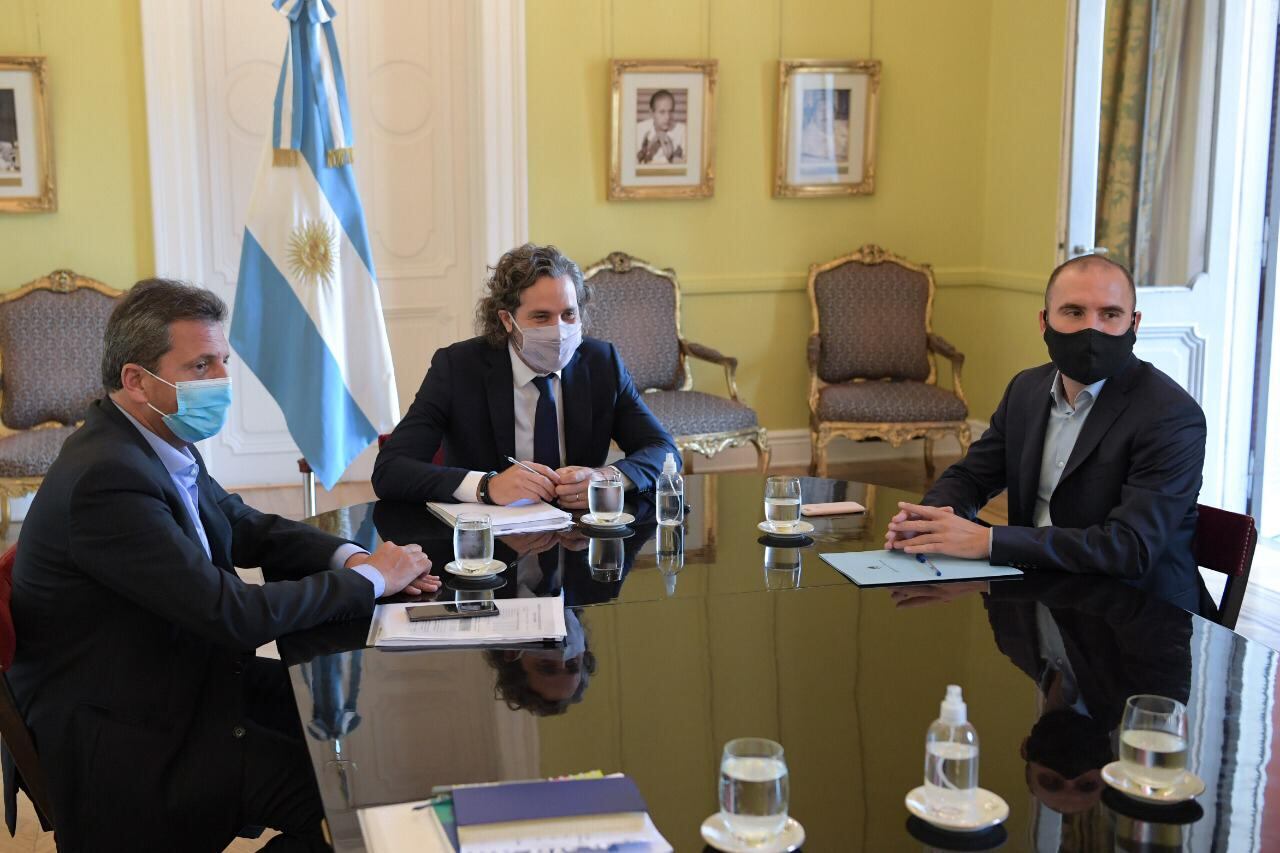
(970, 91)
(102, 227)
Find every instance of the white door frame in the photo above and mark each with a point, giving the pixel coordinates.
(176, 136)
(1235, 226)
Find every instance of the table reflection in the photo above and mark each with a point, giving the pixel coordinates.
(681, 639)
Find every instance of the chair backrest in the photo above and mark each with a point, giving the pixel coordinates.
(1225, 542)
(872, 310)
(13, 729)
(51, 332)
(636, 307)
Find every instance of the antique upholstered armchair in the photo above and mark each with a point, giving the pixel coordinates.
(636, 307)
(872, 372)
(50, 371)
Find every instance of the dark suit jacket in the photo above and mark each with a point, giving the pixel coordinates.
(132, 645)
(1126, 503)
(467, 402)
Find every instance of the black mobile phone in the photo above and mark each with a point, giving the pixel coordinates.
(468, 610)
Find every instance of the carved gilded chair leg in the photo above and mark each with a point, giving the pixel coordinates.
(928, 458)
(820, 459)
(761, 441)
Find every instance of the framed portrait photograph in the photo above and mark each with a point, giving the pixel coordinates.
(662, 139)
(26, 143)
(826, 127)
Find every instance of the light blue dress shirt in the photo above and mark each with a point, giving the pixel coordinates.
(1060, 435)
(182, 467)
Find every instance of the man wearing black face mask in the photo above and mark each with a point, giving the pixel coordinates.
(1101, 453)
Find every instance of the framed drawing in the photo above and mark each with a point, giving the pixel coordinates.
(26, 143)
(662, 134)
(826, 127)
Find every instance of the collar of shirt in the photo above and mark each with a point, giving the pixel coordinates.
(1087, 394)
(179, 463)
(522, 373)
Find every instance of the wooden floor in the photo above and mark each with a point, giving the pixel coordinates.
(1259, 618)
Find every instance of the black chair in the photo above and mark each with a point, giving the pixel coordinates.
(1225, 542)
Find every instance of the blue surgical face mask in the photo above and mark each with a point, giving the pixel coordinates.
(202, 408)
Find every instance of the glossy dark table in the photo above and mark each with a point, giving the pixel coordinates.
(848, 680)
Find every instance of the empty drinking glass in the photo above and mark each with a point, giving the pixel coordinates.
(473, 541)
(754, 789)
(1153, 740)
(782, 502)
(604, 499)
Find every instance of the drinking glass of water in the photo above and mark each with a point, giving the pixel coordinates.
(605, 559)
(604, 499)
(782, 502)
(473, 541)
(754, 789)
(1153, 740)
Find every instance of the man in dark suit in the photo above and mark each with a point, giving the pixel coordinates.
(1100, 451)
(135, 669)
(532, 388)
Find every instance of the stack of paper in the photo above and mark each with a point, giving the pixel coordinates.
(523, 517)
(519, 620)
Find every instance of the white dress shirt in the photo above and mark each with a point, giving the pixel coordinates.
(183, 469)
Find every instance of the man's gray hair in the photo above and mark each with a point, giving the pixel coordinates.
(138, 330)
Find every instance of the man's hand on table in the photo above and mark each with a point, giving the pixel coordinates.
(571, 493)
(518, 484)
(403, 568)
(918, 529)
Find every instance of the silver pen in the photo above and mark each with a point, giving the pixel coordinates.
(514, 461)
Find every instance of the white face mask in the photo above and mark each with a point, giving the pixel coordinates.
(547, 348)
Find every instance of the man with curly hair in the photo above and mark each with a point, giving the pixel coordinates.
(530, 387)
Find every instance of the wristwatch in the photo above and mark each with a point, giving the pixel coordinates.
(482, 490)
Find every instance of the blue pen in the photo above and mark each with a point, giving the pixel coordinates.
(921, 558)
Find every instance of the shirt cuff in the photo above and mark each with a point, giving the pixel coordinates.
(373, 576)
(345, 552)
(466, 491)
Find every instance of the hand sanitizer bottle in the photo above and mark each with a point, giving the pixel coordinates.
(951, 759)
(670, 493)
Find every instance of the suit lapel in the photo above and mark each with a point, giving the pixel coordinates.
(575, 385)
(1113, 400)
(112, 414)
(1033, 447)
(502, 407)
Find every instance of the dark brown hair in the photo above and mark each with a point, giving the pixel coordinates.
(138, 329)
(517, 271)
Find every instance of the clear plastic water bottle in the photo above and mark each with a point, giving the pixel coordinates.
(951, 759)
(670, 493)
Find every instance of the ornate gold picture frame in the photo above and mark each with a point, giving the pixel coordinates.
(26, 137)
(826, 127)
(662, 128)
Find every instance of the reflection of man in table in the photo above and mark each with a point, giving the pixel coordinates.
(545, 681)
(660, 139)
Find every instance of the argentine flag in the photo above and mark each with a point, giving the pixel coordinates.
(308, 318)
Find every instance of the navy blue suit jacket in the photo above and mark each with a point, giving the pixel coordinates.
(467, 403)
(1126, 503)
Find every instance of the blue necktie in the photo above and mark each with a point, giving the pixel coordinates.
(546, 434)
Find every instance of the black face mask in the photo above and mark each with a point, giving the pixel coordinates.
(1089, 355)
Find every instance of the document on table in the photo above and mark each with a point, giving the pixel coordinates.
(519, 620)
(895, 568)
(522, 517)
(405, 827)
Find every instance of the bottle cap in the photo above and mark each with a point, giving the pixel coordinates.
(954, 711)
(669, 464)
